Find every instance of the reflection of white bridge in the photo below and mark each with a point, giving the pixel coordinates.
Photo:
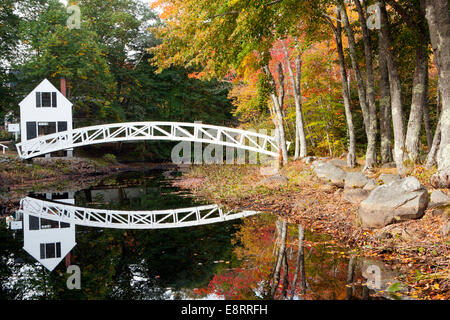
(156, 219)
(134, 131)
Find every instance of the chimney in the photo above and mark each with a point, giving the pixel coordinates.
(62, 85)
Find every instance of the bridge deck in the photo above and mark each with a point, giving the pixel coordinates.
(156, 219)
(134, 131)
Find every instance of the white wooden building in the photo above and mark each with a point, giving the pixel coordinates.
(43, 111)
(47, 241)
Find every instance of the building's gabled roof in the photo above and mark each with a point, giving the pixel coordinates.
(65, 237)
(46, 86)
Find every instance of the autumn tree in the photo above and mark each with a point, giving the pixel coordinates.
(218, 36)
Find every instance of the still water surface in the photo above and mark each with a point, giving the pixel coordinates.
(252, 258)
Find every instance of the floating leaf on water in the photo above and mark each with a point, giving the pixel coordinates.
(395, 287)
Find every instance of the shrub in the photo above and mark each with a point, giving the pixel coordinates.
(110, 158)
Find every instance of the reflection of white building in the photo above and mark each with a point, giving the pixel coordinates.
(117, 194)
(43, 111)
(63, 197)
(46, 240)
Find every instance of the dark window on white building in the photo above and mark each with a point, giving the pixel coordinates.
(50, 250)
(31, 130)
(46, 99)
(45, 128)
(34, 223)
(49, 224)
(65, 225)
(62, 126)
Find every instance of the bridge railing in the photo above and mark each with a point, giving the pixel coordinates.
(134, 131)
(155, 219)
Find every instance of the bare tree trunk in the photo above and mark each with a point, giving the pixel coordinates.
(438, 17)
(353, 58)
(285, 276)
(417, 104)
(300, 137)
(431, 157)
(282, 226)
(351, 156)
(350, 278)
(365, 293)
(281, 90)
(371, 152)
(395, 89)
(278, 117)
(426, 116)
(385, 108)
(300, 264)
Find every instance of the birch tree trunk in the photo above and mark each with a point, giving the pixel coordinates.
(350, 278)
(282, 227)
(278, 121)
(355, 66)
(395, 90)
(300, 137)
(431, 157)
(299, 120)
(385, 107)
(438, 17)
(300, 264)
(426, 116)
(417, 103)
(371, 152)
(415, 21)
(351, 156)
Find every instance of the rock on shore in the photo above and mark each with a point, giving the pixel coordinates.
(397, 201)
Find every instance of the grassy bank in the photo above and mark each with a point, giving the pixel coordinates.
(416, 248)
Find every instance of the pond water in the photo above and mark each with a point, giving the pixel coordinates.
(258, 257)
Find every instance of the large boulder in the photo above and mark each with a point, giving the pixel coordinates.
(446, 229)
(389, 177)
(438, 198)
(309, 160)
(355, 180)
(397, 201)
(370, 185)
(338, 162)
(330, 173)
(355, 195)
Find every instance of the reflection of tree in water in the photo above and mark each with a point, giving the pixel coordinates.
(276, 262)
(282, 264)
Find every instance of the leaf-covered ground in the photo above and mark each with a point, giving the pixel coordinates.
(416, 248)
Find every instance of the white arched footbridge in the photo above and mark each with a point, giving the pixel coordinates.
(155, 219)
(135, 131)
